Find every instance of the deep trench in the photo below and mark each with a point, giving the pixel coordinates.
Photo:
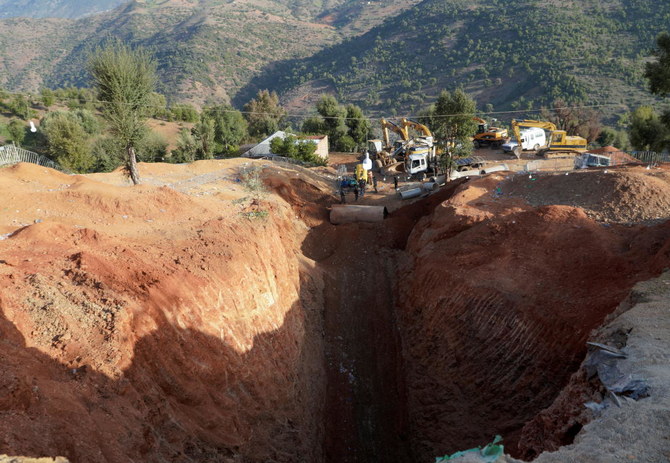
(368, 414)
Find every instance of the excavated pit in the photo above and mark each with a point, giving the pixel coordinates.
(182, 332)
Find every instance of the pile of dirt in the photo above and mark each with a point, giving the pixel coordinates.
(630, 195)
(156, 323)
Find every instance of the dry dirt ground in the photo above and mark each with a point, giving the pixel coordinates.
(198, 317)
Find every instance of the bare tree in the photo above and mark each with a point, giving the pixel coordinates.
(584, 122)
(125, 79)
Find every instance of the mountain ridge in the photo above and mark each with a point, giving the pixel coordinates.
(392, 57)
(70, 9)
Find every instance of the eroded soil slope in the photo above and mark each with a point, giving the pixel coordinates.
(156, 324)
(497, 301)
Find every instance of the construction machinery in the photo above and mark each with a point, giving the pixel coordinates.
(488, 136)
(382, 151)
(414, 156)
(560, 143)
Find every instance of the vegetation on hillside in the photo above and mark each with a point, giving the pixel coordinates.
(511, 55)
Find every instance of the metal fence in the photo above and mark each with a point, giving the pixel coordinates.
(11, 154)
(651, 157)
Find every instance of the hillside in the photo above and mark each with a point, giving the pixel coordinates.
(206, 49)
(386, 57)
(55, 8)
(509, 54)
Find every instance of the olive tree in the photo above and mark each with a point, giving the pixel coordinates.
(125, 79)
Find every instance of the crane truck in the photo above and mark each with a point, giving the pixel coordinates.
(560, 143)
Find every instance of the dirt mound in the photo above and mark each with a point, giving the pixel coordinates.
(153, 324)
(619, 196)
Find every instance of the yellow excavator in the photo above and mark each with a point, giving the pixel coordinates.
(424, 130)
(488, 136)
(560, 144)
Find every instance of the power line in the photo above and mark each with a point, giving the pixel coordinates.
(408, 116)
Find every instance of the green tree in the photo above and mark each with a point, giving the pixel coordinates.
(108, 154)
(334, 123)
(230, 127)
(296, 148)
(187, 147)
(125, 79)
(48, 97)
(17, 131)
(452, 121)
(184, 112)
(264, 114)
(20, 107)
(158, 106)
(153, 148)
(359, 125)
(313, 125)
(88, 121)
(647, 131)
(610, 136)
(658, 74)
(204, 133)
(67, 141)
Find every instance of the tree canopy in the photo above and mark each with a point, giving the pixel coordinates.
(452, 122)
(264, 114)
(658, 71)
(125, 79)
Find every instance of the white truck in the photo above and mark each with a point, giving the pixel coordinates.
(532, 138)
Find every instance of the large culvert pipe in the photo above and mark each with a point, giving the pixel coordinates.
(344, 213)
(412, 193)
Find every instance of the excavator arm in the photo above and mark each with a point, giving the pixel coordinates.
(416, 126)
(482, 124)
(388, 125)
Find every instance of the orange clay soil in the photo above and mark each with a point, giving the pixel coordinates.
(189, 319)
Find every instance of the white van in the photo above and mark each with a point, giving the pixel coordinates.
(532, 138)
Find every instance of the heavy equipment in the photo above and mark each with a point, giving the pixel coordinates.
(560, 143)
(414, 156)
(383, 152)
(488, 136)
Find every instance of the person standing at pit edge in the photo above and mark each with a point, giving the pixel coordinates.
(373, 180)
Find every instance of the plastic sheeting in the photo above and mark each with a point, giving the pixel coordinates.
(489, 454)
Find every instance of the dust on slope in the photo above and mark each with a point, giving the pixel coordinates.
(155, 323)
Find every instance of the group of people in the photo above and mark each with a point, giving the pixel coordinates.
(358, 184)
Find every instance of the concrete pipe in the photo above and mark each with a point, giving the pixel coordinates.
(344, 213)
(498, 168)
(430, 186)
(409, 194)
(455, 175)
(439, 179)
